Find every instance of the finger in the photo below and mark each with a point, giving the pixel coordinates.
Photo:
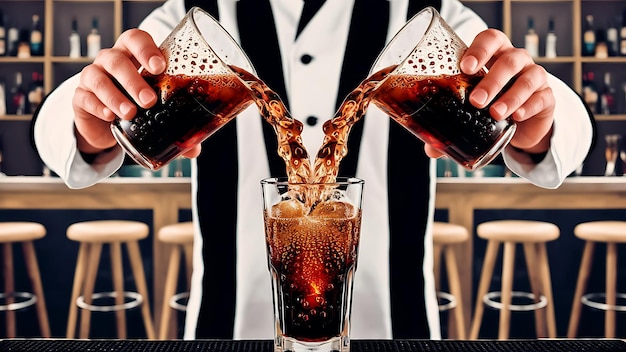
(93, 79)
(86, 103)
(485, 46)
(432, 152)
(193, 152)
(141, 47)
(519, 91)
(541, 103)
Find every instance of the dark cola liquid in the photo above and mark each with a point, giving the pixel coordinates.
(437, 110)
(311, 258)
(188, 110)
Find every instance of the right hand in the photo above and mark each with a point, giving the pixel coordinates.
(98, 99)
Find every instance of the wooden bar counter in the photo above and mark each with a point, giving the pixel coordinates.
(459, 196)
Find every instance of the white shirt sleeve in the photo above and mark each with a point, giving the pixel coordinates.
(54, 124)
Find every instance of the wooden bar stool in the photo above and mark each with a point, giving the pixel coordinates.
(533, 235)
(24, 233)
(92, 235)
(179, 237)
(612, 233)
(445, 237)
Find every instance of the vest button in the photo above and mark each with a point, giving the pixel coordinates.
(311, 120)
(306, 59)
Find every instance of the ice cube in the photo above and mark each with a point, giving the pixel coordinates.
(291, 208)
(333, 210)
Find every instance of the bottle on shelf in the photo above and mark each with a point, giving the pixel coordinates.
(3, 98)
(551, 40)
(622, 35)
(23, 44)
(3, 35)
(13, 37)
(18, 94)
(93, 39)
(590, 92)
(612, 38)
(606, 102)
(36, 38)
(35, 91)
(589, 37)
(602, 48)
(531, 39)
(74, 40)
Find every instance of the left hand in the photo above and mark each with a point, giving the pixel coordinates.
(529, 99)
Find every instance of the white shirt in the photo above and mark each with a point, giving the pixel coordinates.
(311, 90)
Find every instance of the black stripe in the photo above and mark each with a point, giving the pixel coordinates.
(367, 36)
(409, 187)
(259, 40)
(308, 11)
(217, 211)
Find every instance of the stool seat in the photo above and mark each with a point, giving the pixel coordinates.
(446, 233)
(21, 231)
(602, 231)
(522, 231)
(107, 231)
(180, 233)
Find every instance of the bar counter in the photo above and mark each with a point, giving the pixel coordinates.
(459, 196)
(356, 346)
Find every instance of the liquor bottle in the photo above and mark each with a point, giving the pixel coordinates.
(551, 40)
(589, 37)
(612, 39)
(74, 40)
(531, 39)
(622, 35)
(3, 35)
(18, 95)
(36, 38)
(35, 91)
(23, 44)
(602, 48)
(13, 37)
(606, 102)
(590, 92)
(93, 40)
(3, 98)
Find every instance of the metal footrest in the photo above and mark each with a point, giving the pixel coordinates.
(174, 301)
(28, 299)
(135, 300)
(446, 297)
(488, 300)
(592, 300)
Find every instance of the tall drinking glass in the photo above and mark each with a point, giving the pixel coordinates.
(312, 235)
(198, 93)
(422, 88)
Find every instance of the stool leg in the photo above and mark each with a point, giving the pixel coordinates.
(535, 283)
(188, 248)
(142, 287)
(581, 284)
(455, 288)
(35, 279)
(437, 249)
(79, 275)
(483, 286)
(93, 260)
(118, 285)
(9, 287)
(507, 288)
(169, 291)
(546, 287)
(611, 289)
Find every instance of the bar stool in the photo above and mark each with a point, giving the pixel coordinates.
(179, 237)
(24, 233)
(445, 237)
(612, 233)
(533, 235)
(92, 235)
